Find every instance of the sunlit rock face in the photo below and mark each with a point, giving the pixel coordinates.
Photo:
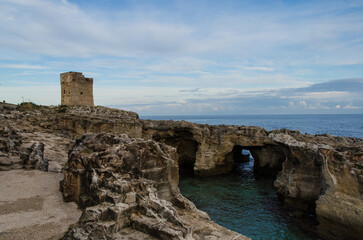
(324, 173)
(128, 189)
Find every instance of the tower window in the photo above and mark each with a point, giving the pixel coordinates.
(81, 93)
(64, 91)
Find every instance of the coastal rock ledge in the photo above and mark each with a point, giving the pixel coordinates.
(315, 175)
(128, 189)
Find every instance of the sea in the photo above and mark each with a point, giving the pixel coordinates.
(246, 203)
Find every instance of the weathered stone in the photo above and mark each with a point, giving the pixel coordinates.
(10, 149)
(130, 198)
(317, 176)
(76, 89)
(10, 163)
(34, 158)
(311, 170)
(151, 199)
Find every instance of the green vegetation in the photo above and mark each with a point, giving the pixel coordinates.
(62, 108)
(28, 106)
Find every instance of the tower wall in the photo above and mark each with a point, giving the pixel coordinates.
(76, 89)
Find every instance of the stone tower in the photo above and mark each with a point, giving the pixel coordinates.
(76, 89)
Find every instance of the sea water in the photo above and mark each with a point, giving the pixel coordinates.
(348, 125)
(246, 203)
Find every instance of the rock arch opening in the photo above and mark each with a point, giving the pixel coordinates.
(186, 146)
(266, 160)
(240, 156)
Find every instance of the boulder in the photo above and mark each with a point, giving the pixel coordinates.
(34, 157)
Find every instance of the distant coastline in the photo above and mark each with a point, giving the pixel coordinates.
(345, 125)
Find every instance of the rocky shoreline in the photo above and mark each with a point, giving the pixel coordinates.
(314, 173)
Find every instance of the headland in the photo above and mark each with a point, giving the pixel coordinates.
(123, 171)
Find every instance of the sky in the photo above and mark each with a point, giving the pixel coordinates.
(188, 57)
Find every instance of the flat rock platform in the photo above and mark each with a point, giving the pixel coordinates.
(31, 206)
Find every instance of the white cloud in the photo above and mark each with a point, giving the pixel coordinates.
(303, 103)
(22, 66)
(350, 106)
(268, 69)
(322, 95)
(143, 56)
(60, 28)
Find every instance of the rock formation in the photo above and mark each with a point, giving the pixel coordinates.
(129, 190)
(34, 158)
(321, 174)
(10, 149)
(324, 174)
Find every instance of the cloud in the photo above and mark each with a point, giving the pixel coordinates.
(341, 85)
(62, 28)
(184, 56)
(22, 66)
(195, 90)
(259, 68)
(278, 101)
(349, 106)
(169, 101)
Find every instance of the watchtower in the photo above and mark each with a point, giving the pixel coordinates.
(76, 89)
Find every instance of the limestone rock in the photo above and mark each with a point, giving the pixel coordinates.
(321, 174)
(129, 187)
(10, 149)
(10, 141)
(34, 159)
(314, 173)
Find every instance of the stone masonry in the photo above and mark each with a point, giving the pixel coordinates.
(76, 89)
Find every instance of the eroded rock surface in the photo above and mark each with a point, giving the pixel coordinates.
(324, 174)
(10, 149)
(321, 174)
(34, 157)
(128, 188)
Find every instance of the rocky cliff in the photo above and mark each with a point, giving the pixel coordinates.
(321, 174)
(129, 190)
(324, 174)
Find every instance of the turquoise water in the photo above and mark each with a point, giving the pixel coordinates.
(245, 203)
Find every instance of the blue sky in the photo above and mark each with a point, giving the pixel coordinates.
(188, 57)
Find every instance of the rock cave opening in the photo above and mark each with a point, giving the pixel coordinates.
(187, 148)
(245, 194)
(240, 158)
(241, 155)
